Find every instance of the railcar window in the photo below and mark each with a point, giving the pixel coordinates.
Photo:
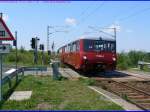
(77, 46)
(112, 47)
(71, 47)
(65, 48)
(59, 51)
(74, 47)
(99, 45)
(68, 50)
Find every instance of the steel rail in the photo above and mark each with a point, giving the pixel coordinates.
(129, 88)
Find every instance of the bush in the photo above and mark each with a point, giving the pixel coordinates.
(130, 59)
(123, 61)
(122, 66)
(11, 57)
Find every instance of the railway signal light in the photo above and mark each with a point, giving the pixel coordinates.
(33, 43)
(41, 47)
(49, 52)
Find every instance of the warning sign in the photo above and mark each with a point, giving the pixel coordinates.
(5, 33)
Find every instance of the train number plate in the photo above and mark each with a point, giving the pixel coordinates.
(100, 56)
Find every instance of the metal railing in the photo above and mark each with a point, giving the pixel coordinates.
(8, 76)
(142, 64)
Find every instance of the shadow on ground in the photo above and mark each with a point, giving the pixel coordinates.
(106, 74)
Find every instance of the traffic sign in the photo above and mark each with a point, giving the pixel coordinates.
(4, 48)
(5, 33)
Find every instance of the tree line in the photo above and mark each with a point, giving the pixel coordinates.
(24, 57)
(125, 60)
(130, 59)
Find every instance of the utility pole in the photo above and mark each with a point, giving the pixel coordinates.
(52, 32)
(115, 36)
(1, 98)
(48, 37)
(42, 54)
(42, 49)
(48, 48)
(16, 55)
(115, 31)
(34, 46)
(36, 49)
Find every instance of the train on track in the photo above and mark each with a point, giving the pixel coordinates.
(90, 53)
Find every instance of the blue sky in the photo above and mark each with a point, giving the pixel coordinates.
(31, 18)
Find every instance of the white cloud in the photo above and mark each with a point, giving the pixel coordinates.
(71, 21)
(5, 17)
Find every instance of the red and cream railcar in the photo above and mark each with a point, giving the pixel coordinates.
(90, 54)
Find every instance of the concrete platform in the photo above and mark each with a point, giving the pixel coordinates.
(67, 72)
(71, 73)
(114, 98)
(20, 95)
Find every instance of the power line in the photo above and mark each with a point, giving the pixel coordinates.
(54, 31)
(91, 13)
(84, 11)
(134, 14)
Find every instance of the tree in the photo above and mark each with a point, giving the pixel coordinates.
(123, 61)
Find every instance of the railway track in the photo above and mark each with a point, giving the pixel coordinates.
(137, 76)
(136, 92)
(132, 94)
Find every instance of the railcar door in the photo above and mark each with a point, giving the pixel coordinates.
(76, 55)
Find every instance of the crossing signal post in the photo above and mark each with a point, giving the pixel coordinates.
(42, 49)
(15, 44)
(49, 52)
(34, 46)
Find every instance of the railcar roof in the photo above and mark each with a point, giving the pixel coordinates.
(92, 38)
(97, 38)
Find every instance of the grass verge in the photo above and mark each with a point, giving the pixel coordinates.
(58, 95)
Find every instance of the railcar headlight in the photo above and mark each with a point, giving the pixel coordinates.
(84, 57)
(114, 59)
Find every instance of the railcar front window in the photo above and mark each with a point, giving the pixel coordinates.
(99, 45)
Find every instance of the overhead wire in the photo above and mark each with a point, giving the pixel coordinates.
(134, 14)
(84, 18)
(91, 13)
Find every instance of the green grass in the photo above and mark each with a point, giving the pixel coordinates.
(58, 95)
